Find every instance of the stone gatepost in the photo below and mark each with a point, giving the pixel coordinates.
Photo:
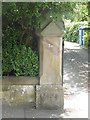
(49, 94)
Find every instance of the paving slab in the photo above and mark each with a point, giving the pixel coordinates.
(42, 113)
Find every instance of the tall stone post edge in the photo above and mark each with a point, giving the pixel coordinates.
(49, 93)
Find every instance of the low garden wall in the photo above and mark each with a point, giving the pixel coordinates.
(19, 90)
(45, 92)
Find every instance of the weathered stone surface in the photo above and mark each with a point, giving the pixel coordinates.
(0, 84)
(5, 87)
(6, 96)
(51, 60)
(20, 94)
(49, 94)
(49, 97)
(51, 54)
(53, 29)
(19, 80)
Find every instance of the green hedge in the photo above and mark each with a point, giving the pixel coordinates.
(86, 37)
(72, 31)
(20, 61)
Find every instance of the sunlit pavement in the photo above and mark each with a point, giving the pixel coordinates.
(75, 81)
(75, 89)
(76, 106)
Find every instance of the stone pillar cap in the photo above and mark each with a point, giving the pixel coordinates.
(53, 29)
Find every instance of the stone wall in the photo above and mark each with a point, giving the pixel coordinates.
(20, 80)
(47, 91)
(19, 90)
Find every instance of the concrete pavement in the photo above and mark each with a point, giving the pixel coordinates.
(75, 81)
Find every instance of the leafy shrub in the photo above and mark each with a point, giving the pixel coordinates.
(20, 61)
(72, 32)
(86, 38)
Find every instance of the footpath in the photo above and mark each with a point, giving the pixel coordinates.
(75, 81)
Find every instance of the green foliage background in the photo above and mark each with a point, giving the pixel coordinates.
(19, 41)
(86, 38)
(21, 20)
(72, 31)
